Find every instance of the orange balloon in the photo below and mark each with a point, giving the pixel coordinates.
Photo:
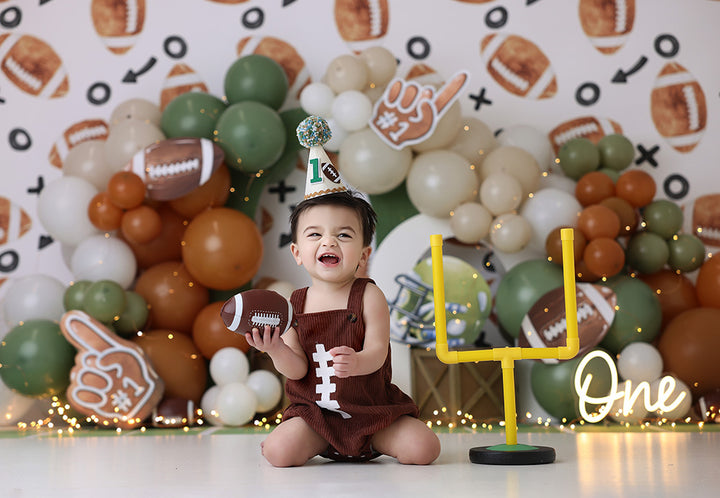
(174, 296)
(222, 248)
(126, 189)
(627, 214)
(598, 221)
(210, 334)
(708, 283)
(636, 187)
(177, 361)
(164, 247)
(593, 187)
(675, 292)
(212, 193)
(584, 274)
(553, 245)
(141, 224)
(103, 214)
(604, 257)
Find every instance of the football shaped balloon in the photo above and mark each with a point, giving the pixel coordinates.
(256, 308)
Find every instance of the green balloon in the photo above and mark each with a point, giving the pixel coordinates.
(578, 156)
(291, 119)
(647, 252)
(252, 136)
(74, 295)
(616, 152)
(614, 175)
(104, 300)
(663, 217)
(256, 78)
(687, 252)
(36, 359)
(288, 161)
(638, 315)
(192, 114)
(521, 287)
(553, 385)
(135, 315)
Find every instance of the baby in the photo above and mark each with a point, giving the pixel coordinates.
(336, 357)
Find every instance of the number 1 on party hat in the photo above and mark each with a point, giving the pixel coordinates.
(322, 177)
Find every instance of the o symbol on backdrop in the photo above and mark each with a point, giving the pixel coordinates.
(676, 186)
(587, 94)
(20, 139)
(496, 18)
(662, 48)
(10, 17)
(253, 18)
(99, 93)
(175, 47)
(9, 261)
(418, 47)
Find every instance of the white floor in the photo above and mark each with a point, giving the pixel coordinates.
(177, 465)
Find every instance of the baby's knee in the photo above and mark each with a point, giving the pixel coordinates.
(422, 450)
(281, 455)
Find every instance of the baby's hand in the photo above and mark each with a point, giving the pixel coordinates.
(267, 341)
(345, 361)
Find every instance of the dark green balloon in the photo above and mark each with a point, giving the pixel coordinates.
(578, 156)
(104, 300)
(74, 295)
(687, 252)
(616, 152)
(252, 136)
(647, 252)
(521, 287)
(256, 78)
(192, 114)
(36, 359)
(135, 315)
(553, 386)
(291, 119)
(638, 316)
(663, 217)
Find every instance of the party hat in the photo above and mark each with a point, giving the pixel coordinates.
(322, 177)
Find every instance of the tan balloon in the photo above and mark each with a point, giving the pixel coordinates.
(140, 109)
(470, 222)
(346, 72)
(87, 160)
(445, 131)
(500, 193)
(474, 141)
(516, 162)
(381, 65)
(510, 233)
(126, 138)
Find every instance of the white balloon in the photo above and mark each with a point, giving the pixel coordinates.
(352, 110)
(683, 407)
(229, 365)
(208, 405)
(12, 406)
(531, 140)
(558, 181)
(33, 297)
(316, 99)
(470, 222)
(548, 209)
(640, 361)
(235, 404)
(501, 193)
(87, 160)
(63, 209)
(267, 387)
(510, 233)
(104, 258)
(339, 134)
(137, 108)
(126, 138)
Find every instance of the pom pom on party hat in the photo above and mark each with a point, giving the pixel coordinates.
(322, 177)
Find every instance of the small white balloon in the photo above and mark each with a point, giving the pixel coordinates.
(316, 99)
(470, 222)
(681, 389)
(104, 258)
(33, 297)
(267, 387)
(501, 193)
(208, 405)
(63, 209)
(136, 108)
(531, 140)
(236, 404)
(548, 209)
(352, 110)
(339, 134)
(510, 233)
(229, 365)
(87, 160)
(640, 361)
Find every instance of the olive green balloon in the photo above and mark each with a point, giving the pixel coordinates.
(637, 317)
(553, 386)
(291, 119)
(647, 252)
(687, 252)
(578, 156)
(252, 136)
(104, 300)
(192, 114)
(256, 78)
(74, 295)
(521, 287)
(614, 175)
(663, 217)
(135, 315)
(36, 359)
(616, 152)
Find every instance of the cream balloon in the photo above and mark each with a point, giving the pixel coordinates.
(346, 72)
(352, 109)
(474, 141)
(510, 233)
(282, 287)
(229, 365)
(439, 181)
(375, 93)
(14, 406)
(557, 180)
(267, 387)
(531, 140)
(63, 209)
(370, 165)
(33, 297)
(126, 138)
(381, 65)
(87, 160)
(338, 135)
(235, 404)
(316, 99)
(208, 406)
(445, 132)
(516, 162)
(101, 257)
(470, 222)
(639, 361)
(682, 409)
(500, 193)
(548, 209)
(137, 108)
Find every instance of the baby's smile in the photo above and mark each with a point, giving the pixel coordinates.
(329, 259)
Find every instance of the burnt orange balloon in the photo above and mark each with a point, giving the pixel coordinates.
(175, 297)
(103, 214)
(584, 274)
(126, 189)
(636, 187)
(222, 248)
(675, 292)
(212, 193)
(210, 334)
(604, 257)
(141, 225)
(689, 347)
(177, 361)
(167, 245)
(553, 245)
(598, 221)
(708, 283)
(593, 187)
(627, 214)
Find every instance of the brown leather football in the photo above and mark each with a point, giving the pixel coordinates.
(256, 308)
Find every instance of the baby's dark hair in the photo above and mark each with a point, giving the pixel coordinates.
(368, 218)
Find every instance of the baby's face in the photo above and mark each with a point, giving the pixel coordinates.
(330, 243)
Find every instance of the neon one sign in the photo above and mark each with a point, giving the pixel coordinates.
(666, 390)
